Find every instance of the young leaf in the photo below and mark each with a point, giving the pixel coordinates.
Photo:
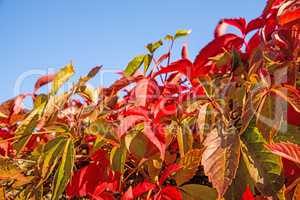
(286, 150)
(134, 65)
(61, 77)
(181, 33)
(264, 167)
(198, 192)
(64, 170)
(221, 158)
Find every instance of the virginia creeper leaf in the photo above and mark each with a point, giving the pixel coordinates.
(221, 158)
(134, 65)
(61, 77)
(264, 167)
(64, 170)
(286, 150)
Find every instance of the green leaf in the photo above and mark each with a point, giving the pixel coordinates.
(25, 129)
(169, 37)
(220, 158)
(61, 77)
(118, 158)
(147, 62)
(263, 166)
(152, 47)
(240, 183)
(52, 152)
(236, 60)
(64, 170)
(198, 192)
(181, 33)
(134, 65)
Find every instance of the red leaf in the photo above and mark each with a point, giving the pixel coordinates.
(247, 195)
(216, 46)
(289, 13)
(127, 123)
(286, 150)
(169, 193)
(166, 111)
(253, 43)
(255, 24)
(141, 188)
(18, 104)
(184, 52)
(183, 66)
(291, 171)
(156, 135)
(169, 171)
(93, 179)
(43, 81)
(293, 117)
(146, 91)
(238, 23)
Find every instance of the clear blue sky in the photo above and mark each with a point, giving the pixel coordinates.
(42, 34)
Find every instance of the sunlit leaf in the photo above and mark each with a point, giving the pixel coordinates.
(61, 77)
(152, 47)
(64, 170)
(134, 65)
(182, 33)
(264, 167)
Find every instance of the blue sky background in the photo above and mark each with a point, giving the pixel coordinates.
(46, 34)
